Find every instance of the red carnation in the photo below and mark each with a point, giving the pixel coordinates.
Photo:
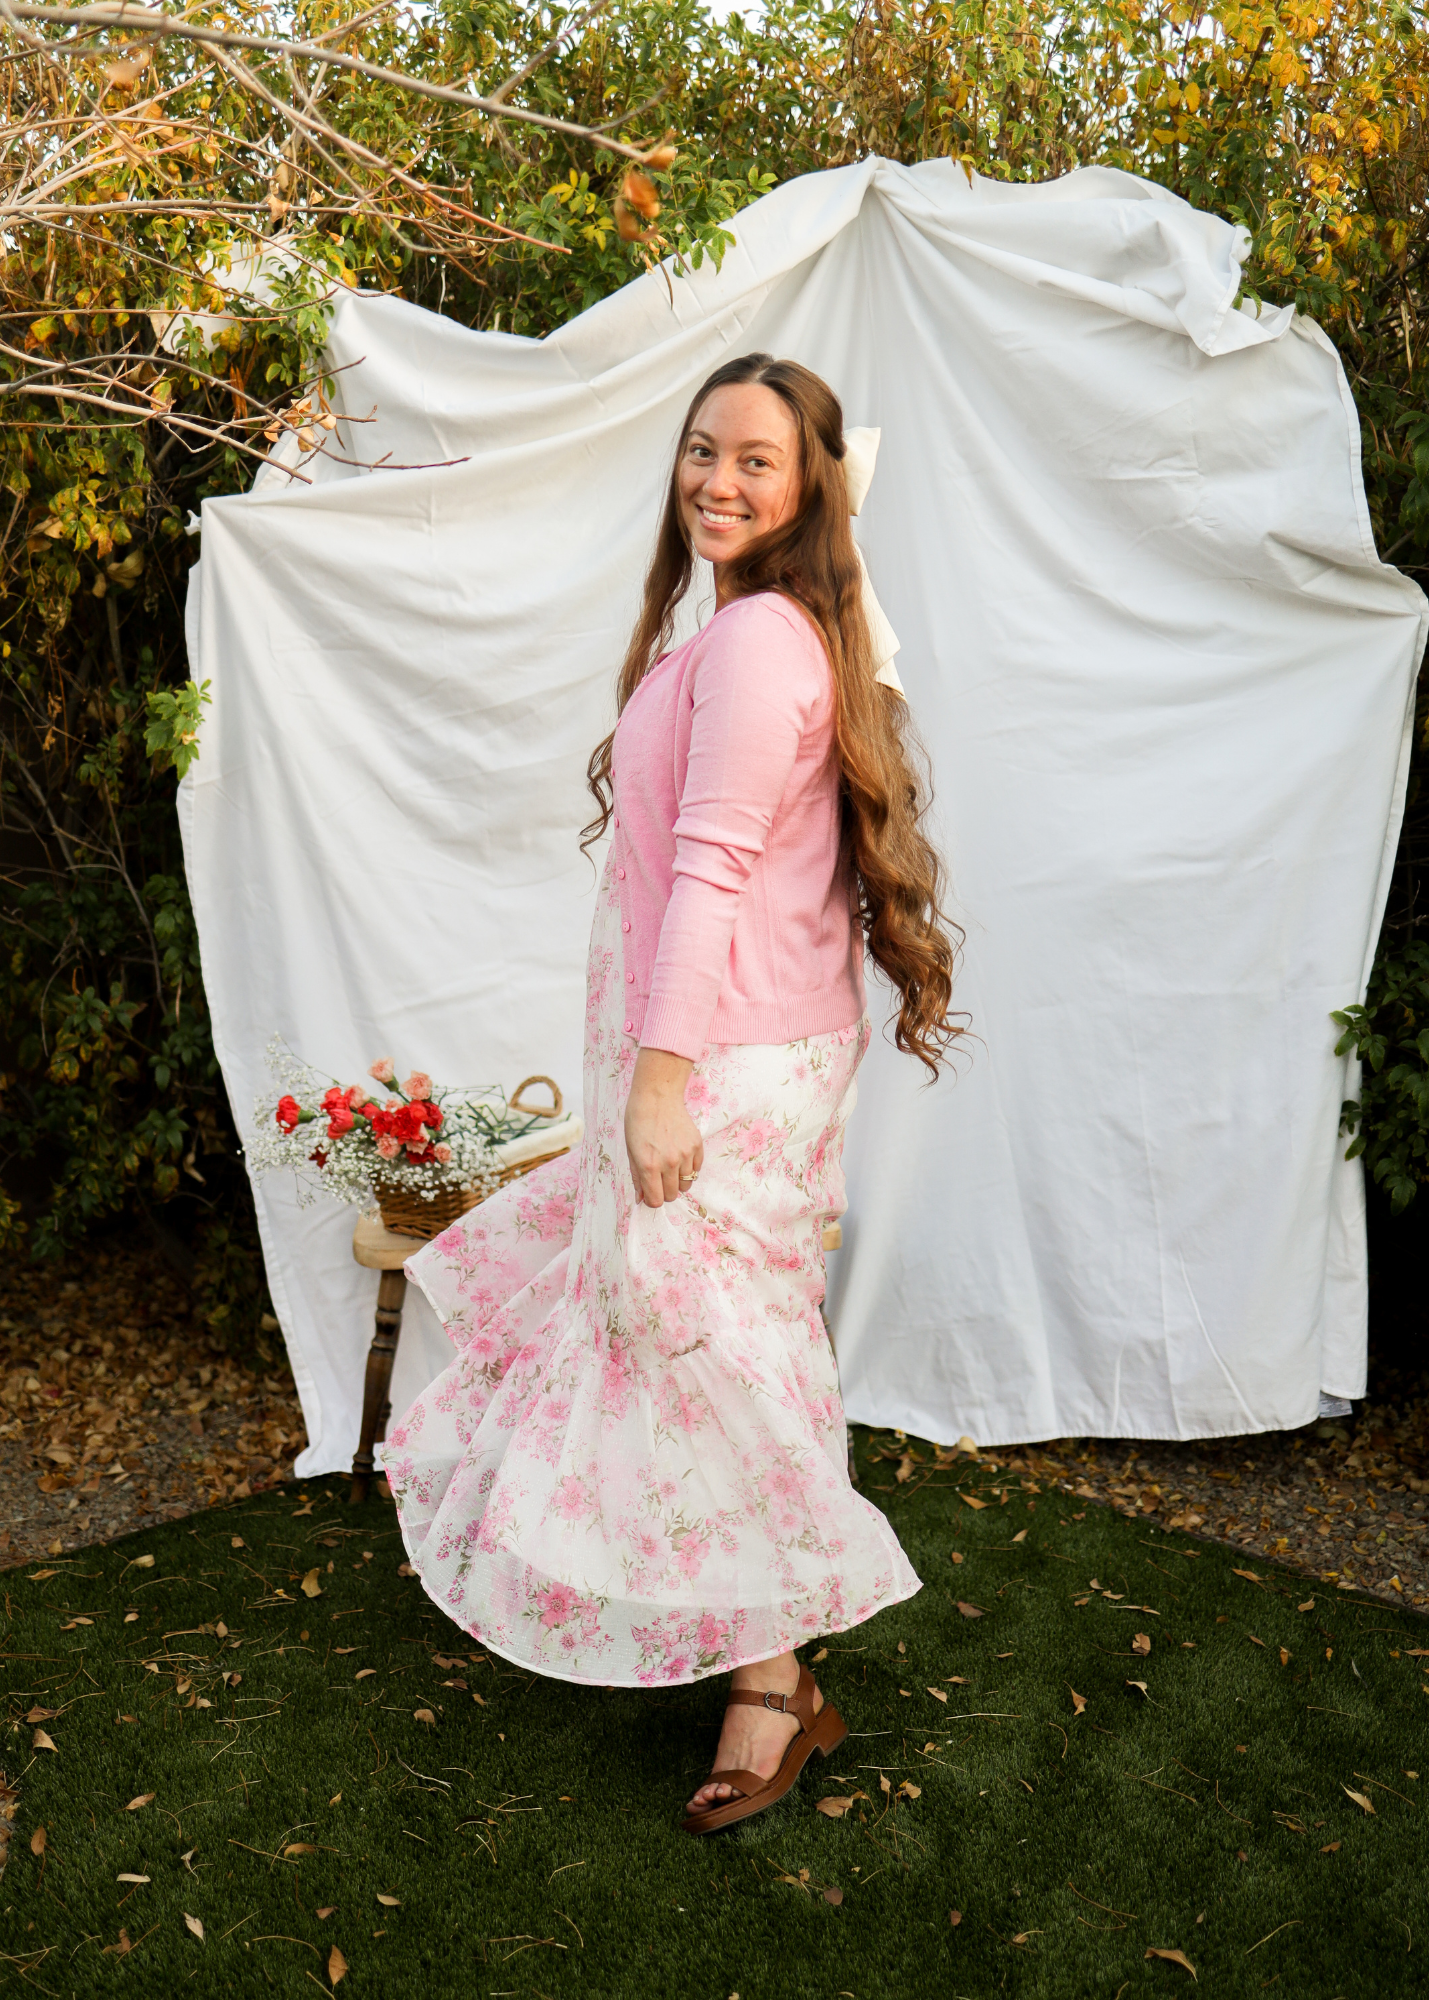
(333, 1098)
(408, 1123)
(288, 1114)
(339, 1122)
(431, 1115)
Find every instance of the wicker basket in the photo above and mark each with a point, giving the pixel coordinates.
(406, 1213)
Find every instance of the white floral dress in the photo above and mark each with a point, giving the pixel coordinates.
(634, 1471)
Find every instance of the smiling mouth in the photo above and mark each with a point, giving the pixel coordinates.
(714, 520)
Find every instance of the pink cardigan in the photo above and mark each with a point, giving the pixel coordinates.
(737, 917)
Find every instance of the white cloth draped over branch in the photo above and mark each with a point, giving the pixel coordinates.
(1163, 679)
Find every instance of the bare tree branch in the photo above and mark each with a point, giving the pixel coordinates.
(156, 24)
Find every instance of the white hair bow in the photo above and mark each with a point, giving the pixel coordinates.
(860, 458)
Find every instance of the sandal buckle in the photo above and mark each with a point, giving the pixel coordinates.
(779, 1701)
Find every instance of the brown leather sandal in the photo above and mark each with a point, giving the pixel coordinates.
(822, 1731)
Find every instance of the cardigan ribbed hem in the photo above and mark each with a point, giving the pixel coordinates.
(664, 1022)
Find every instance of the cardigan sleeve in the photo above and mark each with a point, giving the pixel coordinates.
(756, 691)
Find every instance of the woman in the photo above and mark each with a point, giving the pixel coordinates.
(635, 1470)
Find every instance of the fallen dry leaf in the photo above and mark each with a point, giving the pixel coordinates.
(1142, 1685)
(1359, 1798)
(424, 1715)
(144, 1799)
(1173, 1957)
(336, 1966)
(298, 1847)
(195, 1925)
(76, 1621)
(883, 1783)
(139, 1562)
(969, 1501)
(1284, 1657)
(1308, 1605)
(834, 1896)
(42, 1741)
(363, 1672)
(969, 1610)
(42, 1575)
(37, 1841)
(908, 1790)
(937, 1694)
(1249, 1575)
(834, 1808)
(122, 1944)
(1254, 1641)
(42, 1715)
(1333, 1848)
(1079, 1701)
(904, 1470)
(1020, 1536)
(956, 1557)
(325, 1912)
(956, 1680)
(390, 1902)
(955, 1917)
(336, 1799)
(1023, 1936)
(131, 1878)
(1141, 1644)
(187, 1860)
(310, 1586)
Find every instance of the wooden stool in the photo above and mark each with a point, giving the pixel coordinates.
(385, 1250)
(380, 1250)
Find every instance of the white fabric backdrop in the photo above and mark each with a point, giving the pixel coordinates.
(1120, 530)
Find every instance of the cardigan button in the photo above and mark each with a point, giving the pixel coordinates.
(630, 978)
(617, 819)
(620, 874)
(630, 1027)
(626, 925)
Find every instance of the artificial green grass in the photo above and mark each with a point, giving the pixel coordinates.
(531, 1841)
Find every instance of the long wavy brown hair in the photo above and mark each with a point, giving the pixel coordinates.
(897, 876)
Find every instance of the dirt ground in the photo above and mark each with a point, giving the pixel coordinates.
(117, 1409)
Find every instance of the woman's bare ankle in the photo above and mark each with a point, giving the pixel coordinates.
(778, 1676)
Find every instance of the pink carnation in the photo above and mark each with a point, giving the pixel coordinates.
(383, 1069)
(443, 1153)
(388, 1147)
(418, 1084)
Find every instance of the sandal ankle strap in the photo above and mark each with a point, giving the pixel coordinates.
(799, 1704)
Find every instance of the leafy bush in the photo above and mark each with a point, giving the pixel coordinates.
(162, 163)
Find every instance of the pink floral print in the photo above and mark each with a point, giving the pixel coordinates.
(634, 1470)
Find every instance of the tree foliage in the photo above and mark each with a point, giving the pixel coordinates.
(484, 159)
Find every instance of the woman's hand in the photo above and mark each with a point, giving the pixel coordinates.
(662, 1140)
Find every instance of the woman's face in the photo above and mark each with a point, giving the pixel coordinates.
(739, 476)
